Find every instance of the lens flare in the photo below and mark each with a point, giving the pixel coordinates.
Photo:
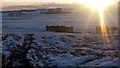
(100, 6)
(103, 26)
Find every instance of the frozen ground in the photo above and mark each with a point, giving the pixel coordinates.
(59, 49)
(25, 42)
(80, 22)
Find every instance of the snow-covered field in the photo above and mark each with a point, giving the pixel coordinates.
(25, 43)
(59, 49)
(80, 22)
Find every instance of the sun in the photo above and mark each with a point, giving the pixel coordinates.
(100, 6)
(96, 4)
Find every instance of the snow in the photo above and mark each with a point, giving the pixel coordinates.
(38, 23)
(72, 61)
(63, 49)
(108, 64)
(56, 49)
(99, 61)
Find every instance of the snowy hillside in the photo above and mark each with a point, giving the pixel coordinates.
(81, 22)
(58, 49)
(26, 43)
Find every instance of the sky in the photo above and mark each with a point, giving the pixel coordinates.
(29, 2)
(43, 0)
(39, 0)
